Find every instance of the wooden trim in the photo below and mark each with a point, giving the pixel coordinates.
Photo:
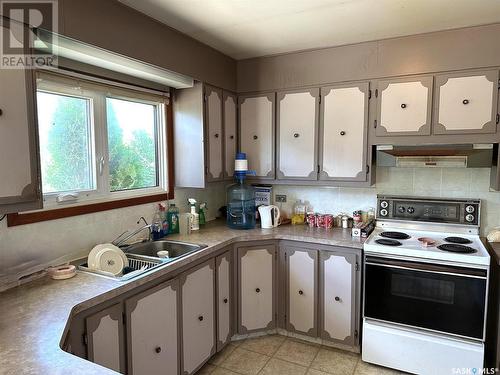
(15, 219)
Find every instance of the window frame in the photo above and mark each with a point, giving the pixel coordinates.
(100, 199)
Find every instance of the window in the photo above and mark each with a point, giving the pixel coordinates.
(98, 142)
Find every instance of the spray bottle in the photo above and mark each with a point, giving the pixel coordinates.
(195, 218)
(203, 207)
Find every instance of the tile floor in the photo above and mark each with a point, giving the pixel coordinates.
(279, 355)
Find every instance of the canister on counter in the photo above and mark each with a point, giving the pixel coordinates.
(328, 221)
(320, 221)
(356, 216)
(311, 219)
(346, 222)
(338, 221)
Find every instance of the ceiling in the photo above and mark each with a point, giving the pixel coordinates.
(250, 28)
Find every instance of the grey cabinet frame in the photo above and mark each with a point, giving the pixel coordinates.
(425, 129)
(280, 95)
(228, 255)
(225, 95)
(362, 176)
(488, 127)
(208, 90)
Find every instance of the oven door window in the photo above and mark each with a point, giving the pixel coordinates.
(441, 302)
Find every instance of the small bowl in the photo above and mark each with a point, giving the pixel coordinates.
(426, 241)
(162, 254)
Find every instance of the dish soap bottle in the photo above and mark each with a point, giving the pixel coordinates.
(195, 218)
(173, 219)
(164, 219)
(203, 207)
(156, 225)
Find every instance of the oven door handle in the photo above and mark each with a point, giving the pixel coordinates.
(442, 270)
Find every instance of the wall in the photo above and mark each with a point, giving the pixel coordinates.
(472, 47)
(29, 248)
(430, 182)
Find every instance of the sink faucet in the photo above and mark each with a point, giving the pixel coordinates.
(122, 238)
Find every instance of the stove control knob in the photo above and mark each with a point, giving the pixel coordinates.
(384, 204)
(469, 218)
(410, 210)
(401, 209)
(469, 209)
(383, 212)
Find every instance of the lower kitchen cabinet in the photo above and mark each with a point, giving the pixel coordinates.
(301, 274)
(198, 316)
(104, 337)
(224, 299)
(152, 330)
(256, 288)
(338, 300)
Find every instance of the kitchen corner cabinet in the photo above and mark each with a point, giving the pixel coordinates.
(466, 103)
(404, 106)
(152, 330)
(214, 131)
(301, 284)
(256, 288)
(224, 299)
(297, 133)
(257, 131)
(343, 132)
(339, 306)
(230, 133)
(104, 336)
(198, 316)
(20, 189)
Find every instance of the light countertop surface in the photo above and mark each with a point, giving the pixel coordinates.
(34, 316)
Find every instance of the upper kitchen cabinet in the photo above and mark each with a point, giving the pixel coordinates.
(404, 106)
(230, 136)
(297, 129)
(19, 156)
(213, 115)
(256, 121)
(466, 103)
(343, 132)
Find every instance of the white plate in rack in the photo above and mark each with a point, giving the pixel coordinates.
(107, 257)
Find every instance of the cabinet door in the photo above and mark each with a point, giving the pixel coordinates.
(213, 116)
(302, 290)
(257, 132)
(20, 189)
(338, 297)
(105, 338)
(298, 113)
(198, 316)
(224, 302)
(230, 136)
(257, 285)
(343, 132)
(152, 330)
(404, 106)
(466, 103)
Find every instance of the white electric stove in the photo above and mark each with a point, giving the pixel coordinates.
(426, 276)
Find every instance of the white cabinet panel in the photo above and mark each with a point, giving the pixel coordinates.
(404, 106)
(152, 330)
(213, 115)
(230, 121)
(466, 103)
(343, 148)
(338, 296)
(257, 132)
(297, 134)
(302, 268)
(105, 338)
(20, 189)
(256, 288)
(224, 302)
(198, 319)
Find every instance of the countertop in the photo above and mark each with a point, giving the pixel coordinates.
(33, 317)
(496, 249)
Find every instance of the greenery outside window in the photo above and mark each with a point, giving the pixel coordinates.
(98, 142)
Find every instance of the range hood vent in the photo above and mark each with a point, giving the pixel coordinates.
(436, 156)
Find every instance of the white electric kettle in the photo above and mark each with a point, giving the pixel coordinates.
(269, 216)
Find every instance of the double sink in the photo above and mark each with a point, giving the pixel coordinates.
(143, 257)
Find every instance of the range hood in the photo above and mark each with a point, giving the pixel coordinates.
(436, 156)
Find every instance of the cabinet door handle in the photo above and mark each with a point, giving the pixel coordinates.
(1, 111)
(301, 292)
(296, 135)
(337, 299)
(255, 137)
(403, 105)
(342, 132)
(158, 349)
(216, 135)
(257, 290)
(225, 300)
(231, 137)
(465, 101)
(200, 318)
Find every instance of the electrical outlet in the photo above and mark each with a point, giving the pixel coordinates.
(280, 198)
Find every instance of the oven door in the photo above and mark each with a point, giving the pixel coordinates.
(435, 297)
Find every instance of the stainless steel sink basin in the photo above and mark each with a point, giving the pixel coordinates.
(176, 249)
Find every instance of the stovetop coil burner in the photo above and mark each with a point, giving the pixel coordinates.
(395, 235)
(459, 240)
(388, 242)
(456, 248)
